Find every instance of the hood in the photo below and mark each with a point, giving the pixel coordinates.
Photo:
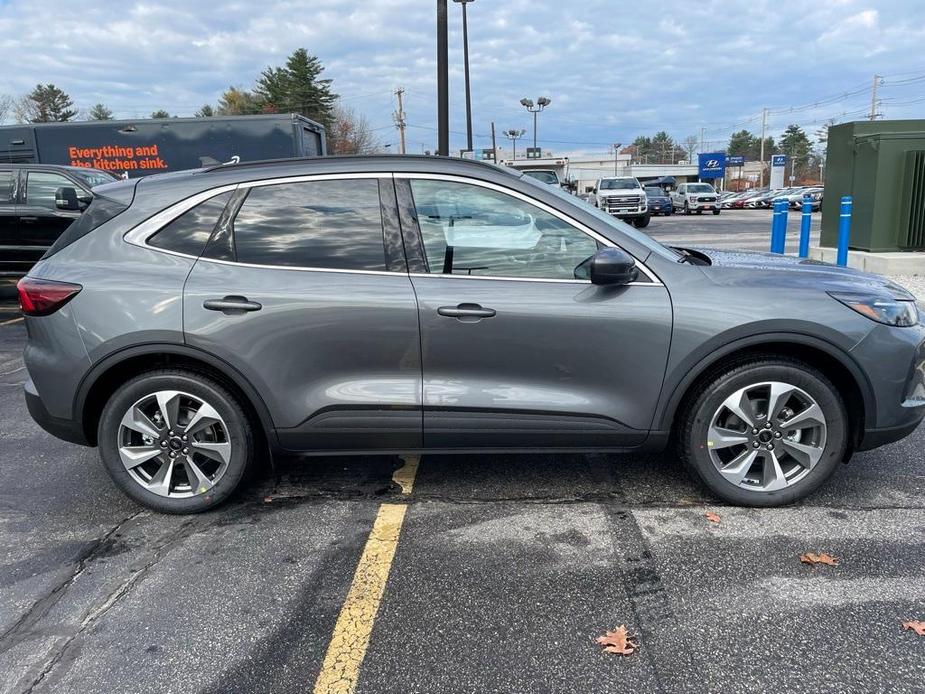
(631, 192)
(772, 269)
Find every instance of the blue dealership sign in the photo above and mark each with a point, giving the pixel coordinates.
(712, 165)
(735, 161)
(779, 160)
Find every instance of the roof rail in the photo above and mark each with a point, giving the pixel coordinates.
(298, 160)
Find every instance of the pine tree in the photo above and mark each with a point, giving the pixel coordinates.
(160, 113)
(100, 112)
(205, 112)
(310, 94)
(47, 104)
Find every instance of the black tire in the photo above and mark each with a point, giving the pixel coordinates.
(687, 208)
(669, 212)
(699, 211)
(239, 431)
(642, 222)
(696, 419)
(716, 211)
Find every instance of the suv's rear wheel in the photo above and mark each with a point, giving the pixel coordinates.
(175, 441)
(765, 432)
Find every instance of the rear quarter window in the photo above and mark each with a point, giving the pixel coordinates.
(189, 233)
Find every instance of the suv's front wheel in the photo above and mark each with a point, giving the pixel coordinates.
(175, 441)
(764, 432)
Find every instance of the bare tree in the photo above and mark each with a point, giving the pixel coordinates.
(350, 133)
(7, 103)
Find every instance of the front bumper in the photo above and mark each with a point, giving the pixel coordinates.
(65, 429)
(894, 361)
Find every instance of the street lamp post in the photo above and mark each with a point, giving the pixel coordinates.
(513, 135)
(466, 68)
(528, 104)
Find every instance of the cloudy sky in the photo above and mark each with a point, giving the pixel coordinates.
(612, 68)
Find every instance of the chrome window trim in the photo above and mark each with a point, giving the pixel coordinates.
(655, 281)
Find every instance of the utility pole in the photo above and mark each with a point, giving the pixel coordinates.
(466, 67)
(703, 132)
(494, 146)
(443, 82)
(399, 117)
(764, 135)
(873, 97)
(616, 149)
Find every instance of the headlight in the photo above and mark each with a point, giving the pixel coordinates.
(888, 311)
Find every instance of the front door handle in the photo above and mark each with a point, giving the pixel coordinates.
(231, 305)
(467, 313)
(28, 219)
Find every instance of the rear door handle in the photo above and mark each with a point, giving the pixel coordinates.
(28, 219)
(231, 305)
(468, 313)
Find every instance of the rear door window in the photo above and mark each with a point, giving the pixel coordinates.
(333, 225)
(189, 232)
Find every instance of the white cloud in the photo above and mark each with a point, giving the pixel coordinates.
(611, 74)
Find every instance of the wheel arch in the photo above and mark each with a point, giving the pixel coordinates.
(115, 369)
(836, 364)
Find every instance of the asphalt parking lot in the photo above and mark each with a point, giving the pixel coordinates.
(496, 572)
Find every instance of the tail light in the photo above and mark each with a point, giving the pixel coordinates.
(43, 297)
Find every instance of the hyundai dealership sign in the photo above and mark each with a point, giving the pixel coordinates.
(712, 165)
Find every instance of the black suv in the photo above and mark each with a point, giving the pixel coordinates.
(37, 203)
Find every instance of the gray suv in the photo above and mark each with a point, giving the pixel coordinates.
(187, 322)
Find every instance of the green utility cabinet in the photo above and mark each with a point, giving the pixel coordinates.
(881, 164)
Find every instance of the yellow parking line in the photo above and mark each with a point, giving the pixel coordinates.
(341, 667)
(404, 476)
(10, 322)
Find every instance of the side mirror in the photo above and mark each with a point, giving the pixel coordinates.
(594, 189)
(66, 199)
(611, 266)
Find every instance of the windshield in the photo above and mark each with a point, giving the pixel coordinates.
(700, 188)
(612, 222)
(655, 192)
(545, 176)
(619, 184)
(94, 178)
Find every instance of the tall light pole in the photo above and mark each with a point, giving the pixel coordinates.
(541, 103)
(443, 83)
(466, 67)
(513, 135)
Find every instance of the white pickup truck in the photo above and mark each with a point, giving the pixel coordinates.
(696, 197)
(623, 197)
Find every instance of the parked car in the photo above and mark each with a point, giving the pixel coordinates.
(696, 197)
(659, 201)
(813, 193)
(622, 197)
(381, 304)
(37, 203)
(746, 198)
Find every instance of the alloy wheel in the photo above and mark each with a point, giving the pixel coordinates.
(767, 436)
(174, 444)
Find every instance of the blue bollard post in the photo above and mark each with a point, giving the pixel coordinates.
(844, 230)
(775, 225)
(805, 225)
(782, 236)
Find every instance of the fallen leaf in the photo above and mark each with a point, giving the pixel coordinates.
(812, 558)
(619, 641)
(916, 626)
(712, 517)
